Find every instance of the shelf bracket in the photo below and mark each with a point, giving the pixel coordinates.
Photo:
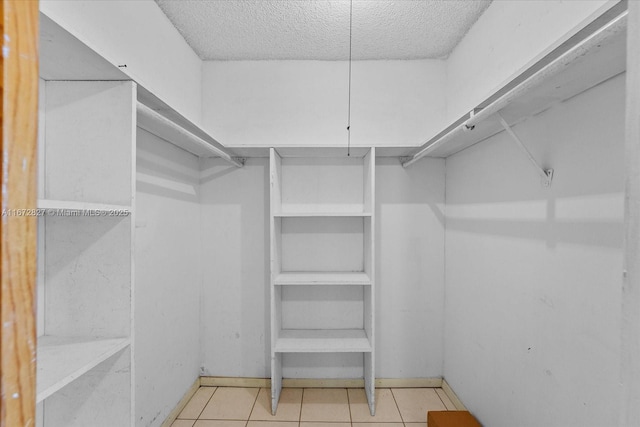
(545, 174)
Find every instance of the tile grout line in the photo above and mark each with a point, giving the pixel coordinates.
(397, 407)
(252, 407)
(440, 397)
(349, 406)
(201, 411)
(301, 403)
(205, 405)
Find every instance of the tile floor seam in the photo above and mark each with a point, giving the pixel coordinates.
(440, 397)
(301, 403)
(397, 407)
(205, 405)
(252, 407)
(349, 406)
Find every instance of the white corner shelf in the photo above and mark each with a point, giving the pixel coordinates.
(77, 207)
(64, 359)
(323, 341)
(322, 279)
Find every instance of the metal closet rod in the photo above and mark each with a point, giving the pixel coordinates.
(153, 115)
(608, 30)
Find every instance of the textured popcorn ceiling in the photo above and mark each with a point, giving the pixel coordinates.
(318, 29)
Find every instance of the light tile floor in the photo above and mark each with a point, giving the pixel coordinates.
(311, 407)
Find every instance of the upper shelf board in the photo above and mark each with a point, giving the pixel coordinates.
(605, 61)
(315, 214)
(250, 151)
(328, 151)
(64, 57)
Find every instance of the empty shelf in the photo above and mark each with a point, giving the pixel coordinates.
(320, 214)
(63, 359)
(323, 341)
(73, 206)
(322, 278)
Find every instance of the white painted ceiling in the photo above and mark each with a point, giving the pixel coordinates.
(319, 29)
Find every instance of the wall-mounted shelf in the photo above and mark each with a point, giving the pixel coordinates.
(172, 131)
(64, 359)
(322, 278)
(323, 341)
(300, 214)
(592, 56)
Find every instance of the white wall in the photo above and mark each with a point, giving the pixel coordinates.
(508, 36)
(168, 277)
(235, 248)
(235, 233)
(630, 363)
(410, 268)
(267, 103)
(533, 275)
(138, 34)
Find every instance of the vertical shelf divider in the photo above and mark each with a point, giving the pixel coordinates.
(369, 268)
(275, 174)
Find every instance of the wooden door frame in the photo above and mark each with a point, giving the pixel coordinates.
(19, 114)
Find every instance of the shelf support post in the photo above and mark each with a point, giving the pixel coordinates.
(546, 174)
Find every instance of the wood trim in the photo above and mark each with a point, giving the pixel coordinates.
(320, 383)
(183, 402)
(19, 84)
(234, 382)
(409, 382)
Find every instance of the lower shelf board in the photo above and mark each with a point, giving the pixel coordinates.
(61, 360)
(323, 341)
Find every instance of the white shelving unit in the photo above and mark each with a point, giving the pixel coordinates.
(85, 267)
(322, 243)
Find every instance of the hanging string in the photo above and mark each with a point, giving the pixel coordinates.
(349, 106)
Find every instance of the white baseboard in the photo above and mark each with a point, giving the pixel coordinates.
(234, 382)
(183, 402)
(320, 383)
(452, 396)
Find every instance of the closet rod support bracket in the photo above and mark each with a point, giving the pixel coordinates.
(545, 174)
(546, 181)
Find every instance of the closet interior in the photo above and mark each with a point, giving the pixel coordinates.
(481, 251)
